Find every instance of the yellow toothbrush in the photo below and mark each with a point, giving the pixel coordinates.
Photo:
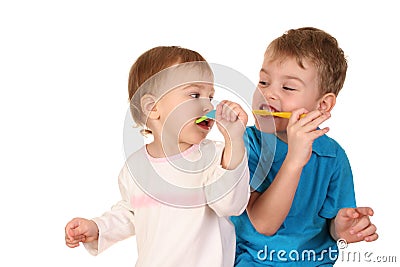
(285, 115)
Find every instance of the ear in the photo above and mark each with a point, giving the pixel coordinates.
(149, 107)
(327, 102)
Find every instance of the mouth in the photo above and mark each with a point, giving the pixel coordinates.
(206, 124)
(268, 108)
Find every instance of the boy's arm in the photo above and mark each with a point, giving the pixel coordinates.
(353, 225)
(268, 210)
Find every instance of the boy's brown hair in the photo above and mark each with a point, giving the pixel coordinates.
(320, 48)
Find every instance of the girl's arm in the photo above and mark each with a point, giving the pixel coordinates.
(232, 120)
(230, 181)
(118, 223)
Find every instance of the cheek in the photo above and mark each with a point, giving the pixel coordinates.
(180, 112)
(258, 99)
(292, 103)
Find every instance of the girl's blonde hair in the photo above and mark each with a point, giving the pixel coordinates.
(149, 64)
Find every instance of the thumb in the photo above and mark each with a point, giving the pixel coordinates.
(367, 211)
(349, 213)
(73, 228)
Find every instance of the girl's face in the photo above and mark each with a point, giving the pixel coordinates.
(178, 111)
(284, 86)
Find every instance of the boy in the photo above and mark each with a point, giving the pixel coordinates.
(295, 215)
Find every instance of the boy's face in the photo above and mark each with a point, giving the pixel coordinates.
(284, 86)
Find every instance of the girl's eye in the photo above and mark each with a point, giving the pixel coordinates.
(211, 98)
(195, 95)
(263, 83)
(288, 88)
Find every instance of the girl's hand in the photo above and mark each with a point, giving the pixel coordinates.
(231, 120)
(301, 133)
(80, 230)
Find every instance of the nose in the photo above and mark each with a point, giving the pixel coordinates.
(207, 106)
(270, 93)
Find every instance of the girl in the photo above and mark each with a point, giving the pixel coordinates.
(178, 191)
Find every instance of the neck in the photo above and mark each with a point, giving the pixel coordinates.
(282, 136)
(164, 148)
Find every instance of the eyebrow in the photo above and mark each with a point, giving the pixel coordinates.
(199, 86)
(289, 77)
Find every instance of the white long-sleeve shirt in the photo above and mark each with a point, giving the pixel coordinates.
(178, 207)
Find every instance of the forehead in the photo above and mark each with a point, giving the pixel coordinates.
(189, 74)
(288, 65)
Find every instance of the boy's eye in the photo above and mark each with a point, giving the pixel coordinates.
(195, 95)
(211, 98)
(288, 88)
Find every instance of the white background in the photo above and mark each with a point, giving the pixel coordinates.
(63, 79)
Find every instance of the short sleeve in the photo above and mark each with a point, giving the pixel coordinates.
(341, 188)
(260, 150)
(253, 151)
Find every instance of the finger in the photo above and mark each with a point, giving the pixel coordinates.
(360, 225)
(371, 237)
(365, 211)
(296, 115)
(218, 112)
(72, 244)
(242, 115)
(74, 232)
(223, 105)
(368, 231)
(349, 213)
(80, 230)
(73, 224)
(227, 111)
(77, 238)
(238, 113)
(312, 115)
(231, 111)
(316, 118)
(319, 132)
(74, 241)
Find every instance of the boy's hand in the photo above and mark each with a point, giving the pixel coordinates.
(301, 133)
(354, 225)
(80, 230)
(231, 120)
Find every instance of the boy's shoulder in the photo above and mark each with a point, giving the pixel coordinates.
(323, 146)
(327, 146)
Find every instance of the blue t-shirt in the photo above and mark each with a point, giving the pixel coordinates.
(325, 186)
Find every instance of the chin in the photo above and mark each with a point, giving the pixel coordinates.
(265, 125)
(193, 140)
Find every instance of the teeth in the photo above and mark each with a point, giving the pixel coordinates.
(268, 108)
